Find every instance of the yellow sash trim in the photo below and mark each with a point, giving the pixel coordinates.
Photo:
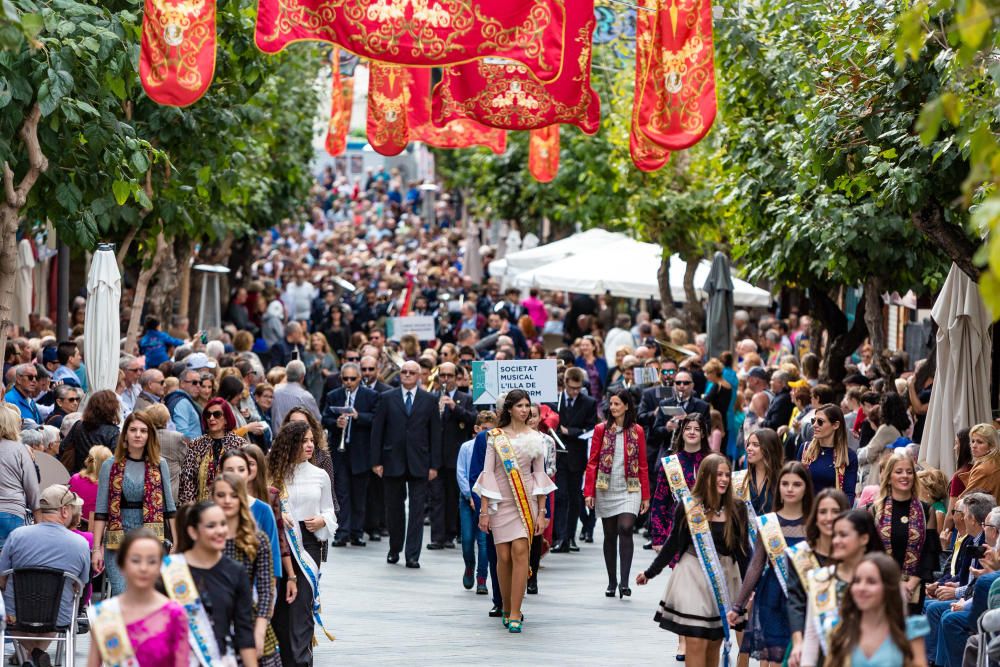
(505, 450)
(741, 485)
(675, 474)
(180, 587)
(111, 633)
(803, 560)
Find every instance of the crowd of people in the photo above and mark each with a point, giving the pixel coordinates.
(208, 489)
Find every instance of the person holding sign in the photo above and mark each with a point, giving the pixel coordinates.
(617, 484)
(141, 624)
(513, 486)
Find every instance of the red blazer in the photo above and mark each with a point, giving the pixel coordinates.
(590, 479)
(549, 419)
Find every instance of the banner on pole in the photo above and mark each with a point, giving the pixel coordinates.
(421, 326)
(491, 379)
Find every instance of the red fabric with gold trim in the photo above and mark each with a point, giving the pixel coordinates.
(423, 32)
(504, 94)
(646, 154)
(460, 133)
(342, 100)
(177, 57)
(543, 153)
(676, 101)
(388, 108)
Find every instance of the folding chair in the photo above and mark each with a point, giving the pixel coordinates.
(37, 601)
(989, 626)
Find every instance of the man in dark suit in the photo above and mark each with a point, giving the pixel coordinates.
(406, 442)
(375, 505)
(457, 419)
(577, 415)
(353, 466)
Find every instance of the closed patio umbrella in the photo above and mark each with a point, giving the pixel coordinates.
(719, 315)
(102, 326)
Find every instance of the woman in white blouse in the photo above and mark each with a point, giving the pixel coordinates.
(307, 506)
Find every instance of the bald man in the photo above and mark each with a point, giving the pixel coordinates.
(406, 443)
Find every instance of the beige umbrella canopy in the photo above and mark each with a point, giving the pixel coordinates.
(961, 394)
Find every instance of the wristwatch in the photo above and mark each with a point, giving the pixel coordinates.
(292, 577)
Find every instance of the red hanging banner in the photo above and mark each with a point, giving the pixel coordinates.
(503, 93)
(543, 153)
(676, 101)
(460, 133)
(342, 100)
(423, 32)
(646, 154)
(388, 108)
(177, 56)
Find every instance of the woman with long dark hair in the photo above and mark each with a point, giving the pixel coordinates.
(874, 630)
(831, 462)
(768, 634)
(956, 487)
(201, 463)
(690, 445)
(617, 484)
(765, 458)
(133, 491)
(513, 487)
(689, 606)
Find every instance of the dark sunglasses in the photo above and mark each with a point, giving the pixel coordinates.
(683, 383)
(349, 378)
(213, 415)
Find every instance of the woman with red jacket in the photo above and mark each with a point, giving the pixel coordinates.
(617, 484)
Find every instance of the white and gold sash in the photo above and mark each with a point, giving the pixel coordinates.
(803, 560)
(111, 634)
(741, 489)
(774, 545)
(308, 566)
(824, 603)
(181, 588)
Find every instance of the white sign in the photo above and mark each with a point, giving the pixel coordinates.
(491, 379)
(421, 326)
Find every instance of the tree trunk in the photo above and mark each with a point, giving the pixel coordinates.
(139, 301)
(951, 238)
(161, 294)
(14, 199)
(841, 341)
(663, 280)
(693, 309)
(875, 321)
(184, 254)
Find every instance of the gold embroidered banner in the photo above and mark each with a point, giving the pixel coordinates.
(646, 154)
(503, 93)
(676, 100)
(177, 55)
(543, 153)
(423, 32)
(341, 103)
(388, 108)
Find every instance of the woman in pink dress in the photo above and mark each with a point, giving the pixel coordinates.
(157, 627)
(513, 486)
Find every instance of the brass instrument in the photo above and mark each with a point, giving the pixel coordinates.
(675, 352)
(431, 379)
(343, 438)
(393, 364)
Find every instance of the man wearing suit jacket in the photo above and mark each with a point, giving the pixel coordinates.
(352, 467)
(375, 505)
(577, 415)
(457, 419)
(684, 398)
(406, 442)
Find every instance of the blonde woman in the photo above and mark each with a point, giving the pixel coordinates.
(830, 460)
(320, 364)
(84, 483)
(985, 473)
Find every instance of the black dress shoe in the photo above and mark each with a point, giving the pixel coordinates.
(561, 548)
(648, 546)
(435, 546)
(589, 539)
(572, 546)
(358, 542)
(392, 558)
(532, 588)
(338, 543)
(450, 544)
(374, 537)
(413, 565)
(496, 612)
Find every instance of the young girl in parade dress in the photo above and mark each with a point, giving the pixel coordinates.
(513, 486)
(156, 627)
(690, 605)
(691, 447)
(768, 634)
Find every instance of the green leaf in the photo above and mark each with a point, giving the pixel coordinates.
(69, 196)
(6, 93)
(929, 121)
(121, 190)
(140, 162)
(973, 23)
(142, 198)
(116, 85)
(32, 25)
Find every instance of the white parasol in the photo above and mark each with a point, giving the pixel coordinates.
(102, 327)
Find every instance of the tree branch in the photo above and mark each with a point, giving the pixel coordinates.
(952, 240)
(126, 243)
(37, 162)
(8, 185)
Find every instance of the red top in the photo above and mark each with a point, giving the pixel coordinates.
(590, 480)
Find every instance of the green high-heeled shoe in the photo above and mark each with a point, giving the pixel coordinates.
(514, 626)
(506, 620)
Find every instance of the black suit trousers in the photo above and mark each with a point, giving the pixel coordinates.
(397, 489)
(444, 506)
(569, 500)
(375, 505)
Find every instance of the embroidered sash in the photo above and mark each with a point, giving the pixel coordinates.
(112, 636)
(803, 560)
(152, 503)
(607, 456)
(915, 534)
(824, 602)
(675, 476)
(180, 587)
(708, 558)
(775, 545)
(307, 565)
(505, 450)
(741, 489)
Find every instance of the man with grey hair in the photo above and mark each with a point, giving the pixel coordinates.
(22, 394)
(152, 387)
(291, 394)
(67, 400)
(132, 367)
(779, 412)
(290, 347)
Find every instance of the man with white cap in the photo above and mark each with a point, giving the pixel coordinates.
(48, 543)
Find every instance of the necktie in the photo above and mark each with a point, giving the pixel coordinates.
(569, 404)
(409, 403)
(350, 404)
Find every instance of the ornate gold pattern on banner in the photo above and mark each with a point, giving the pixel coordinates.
(646, 154)
(388, 102)
(178, 49)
